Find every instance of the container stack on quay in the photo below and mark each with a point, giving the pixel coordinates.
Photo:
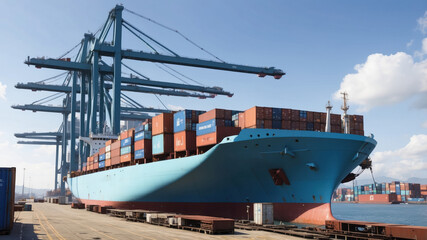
(126, 146)
(189, 132)
(394, 192)
(213, 127)
(184, 128)
(162, 131)
(143, 143)
(7, 199)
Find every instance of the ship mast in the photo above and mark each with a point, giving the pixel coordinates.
(345, 108)
(328, 117)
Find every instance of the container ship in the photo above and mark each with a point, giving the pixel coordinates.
(220, 162)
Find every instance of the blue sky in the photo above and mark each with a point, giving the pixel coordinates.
(317, 43)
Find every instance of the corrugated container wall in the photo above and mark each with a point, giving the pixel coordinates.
(7, 198)
(263, 213)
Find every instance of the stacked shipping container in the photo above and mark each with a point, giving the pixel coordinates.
(108, 153)
(214, 126)
(126, 146)
(143, 143)
(184, 127)
(115, 152)
(162, 136)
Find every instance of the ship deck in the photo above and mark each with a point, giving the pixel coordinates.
(53, 221)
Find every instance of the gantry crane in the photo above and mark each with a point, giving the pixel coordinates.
(93, 78)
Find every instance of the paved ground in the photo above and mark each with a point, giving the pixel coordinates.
(53, 221)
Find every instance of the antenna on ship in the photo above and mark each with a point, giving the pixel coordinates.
(345, 108)
(328, 117)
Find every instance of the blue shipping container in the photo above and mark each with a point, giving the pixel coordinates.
(7, 198)
(143, 135)
(101, 164)
(139, 128)
(182, 121)
(206, 127)
(125, 150)
(277, 124)
(139, 154)
(126, 142)
(101, 157)
(277, 114)
(158, 142)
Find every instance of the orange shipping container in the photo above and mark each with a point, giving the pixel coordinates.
(286, 114)
(185, 140)
(115, 153)
(268, 113)
(162, 123)
(252, 115)
(213, 114)
(378, 198)
(109, 142)
(124, 135)
(268, 124)
(102, 150)
(108, 162)
(242, 120)
(217, 136)
(126, 158)
(115, 160)
(95, 166)
(115, 145)
(143, 144)
(286, 124)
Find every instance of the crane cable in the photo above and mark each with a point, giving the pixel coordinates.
(176, 31)
(201, 84)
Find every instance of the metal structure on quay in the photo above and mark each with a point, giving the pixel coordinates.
(93, 79)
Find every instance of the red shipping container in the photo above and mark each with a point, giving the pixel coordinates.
(295, 125)
(252, 115)
(424, 192)
(316, 117)
(336, 129)
(162, 123)
(302, 126)
(423, 187)
(115, 145)
(335, 119)
(217, 136)
(185, 140)
(212, 114)
(143, 144)
(126, 158)
(268, 113)
(286, 114)
(286, 124)
(323, 118)
(317, 126)
(102, 150)
(115, 160)
(85, 169)
(95, 157)
(310, 116)
(378, 198)
(124, 135)
(322, 127)
(95, 166)
(227, 114)
(115, 153)
(109, 142)
(268, 124)
(295, 115)
(242, 123)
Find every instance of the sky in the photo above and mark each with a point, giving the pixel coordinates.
(376, 51)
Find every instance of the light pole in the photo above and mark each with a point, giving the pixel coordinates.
(23, 184)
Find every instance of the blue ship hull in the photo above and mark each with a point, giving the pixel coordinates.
(235, 172)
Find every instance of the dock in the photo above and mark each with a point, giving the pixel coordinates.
(53, 221)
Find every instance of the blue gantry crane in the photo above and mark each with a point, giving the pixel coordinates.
(101, 86)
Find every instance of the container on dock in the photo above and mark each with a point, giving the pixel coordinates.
(162, 143)
(162, 123)
(217, 136)
(263, 213)
(185, 141)
(7, 199)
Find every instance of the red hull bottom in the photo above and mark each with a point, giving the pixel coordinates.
(310, 213)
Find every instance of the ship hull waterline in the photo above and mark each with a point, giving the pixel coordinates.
(234, 174)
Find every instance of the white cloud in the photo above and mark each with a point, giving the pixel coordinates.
(3, 91)
(422, 23)
(384, 80)
(175, 108)
(409, 161)
(410, 43)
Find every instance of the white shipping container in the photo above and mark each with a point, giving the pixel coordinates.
(263, 213)
(173, 221)
(108, 148)
(108, 155)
